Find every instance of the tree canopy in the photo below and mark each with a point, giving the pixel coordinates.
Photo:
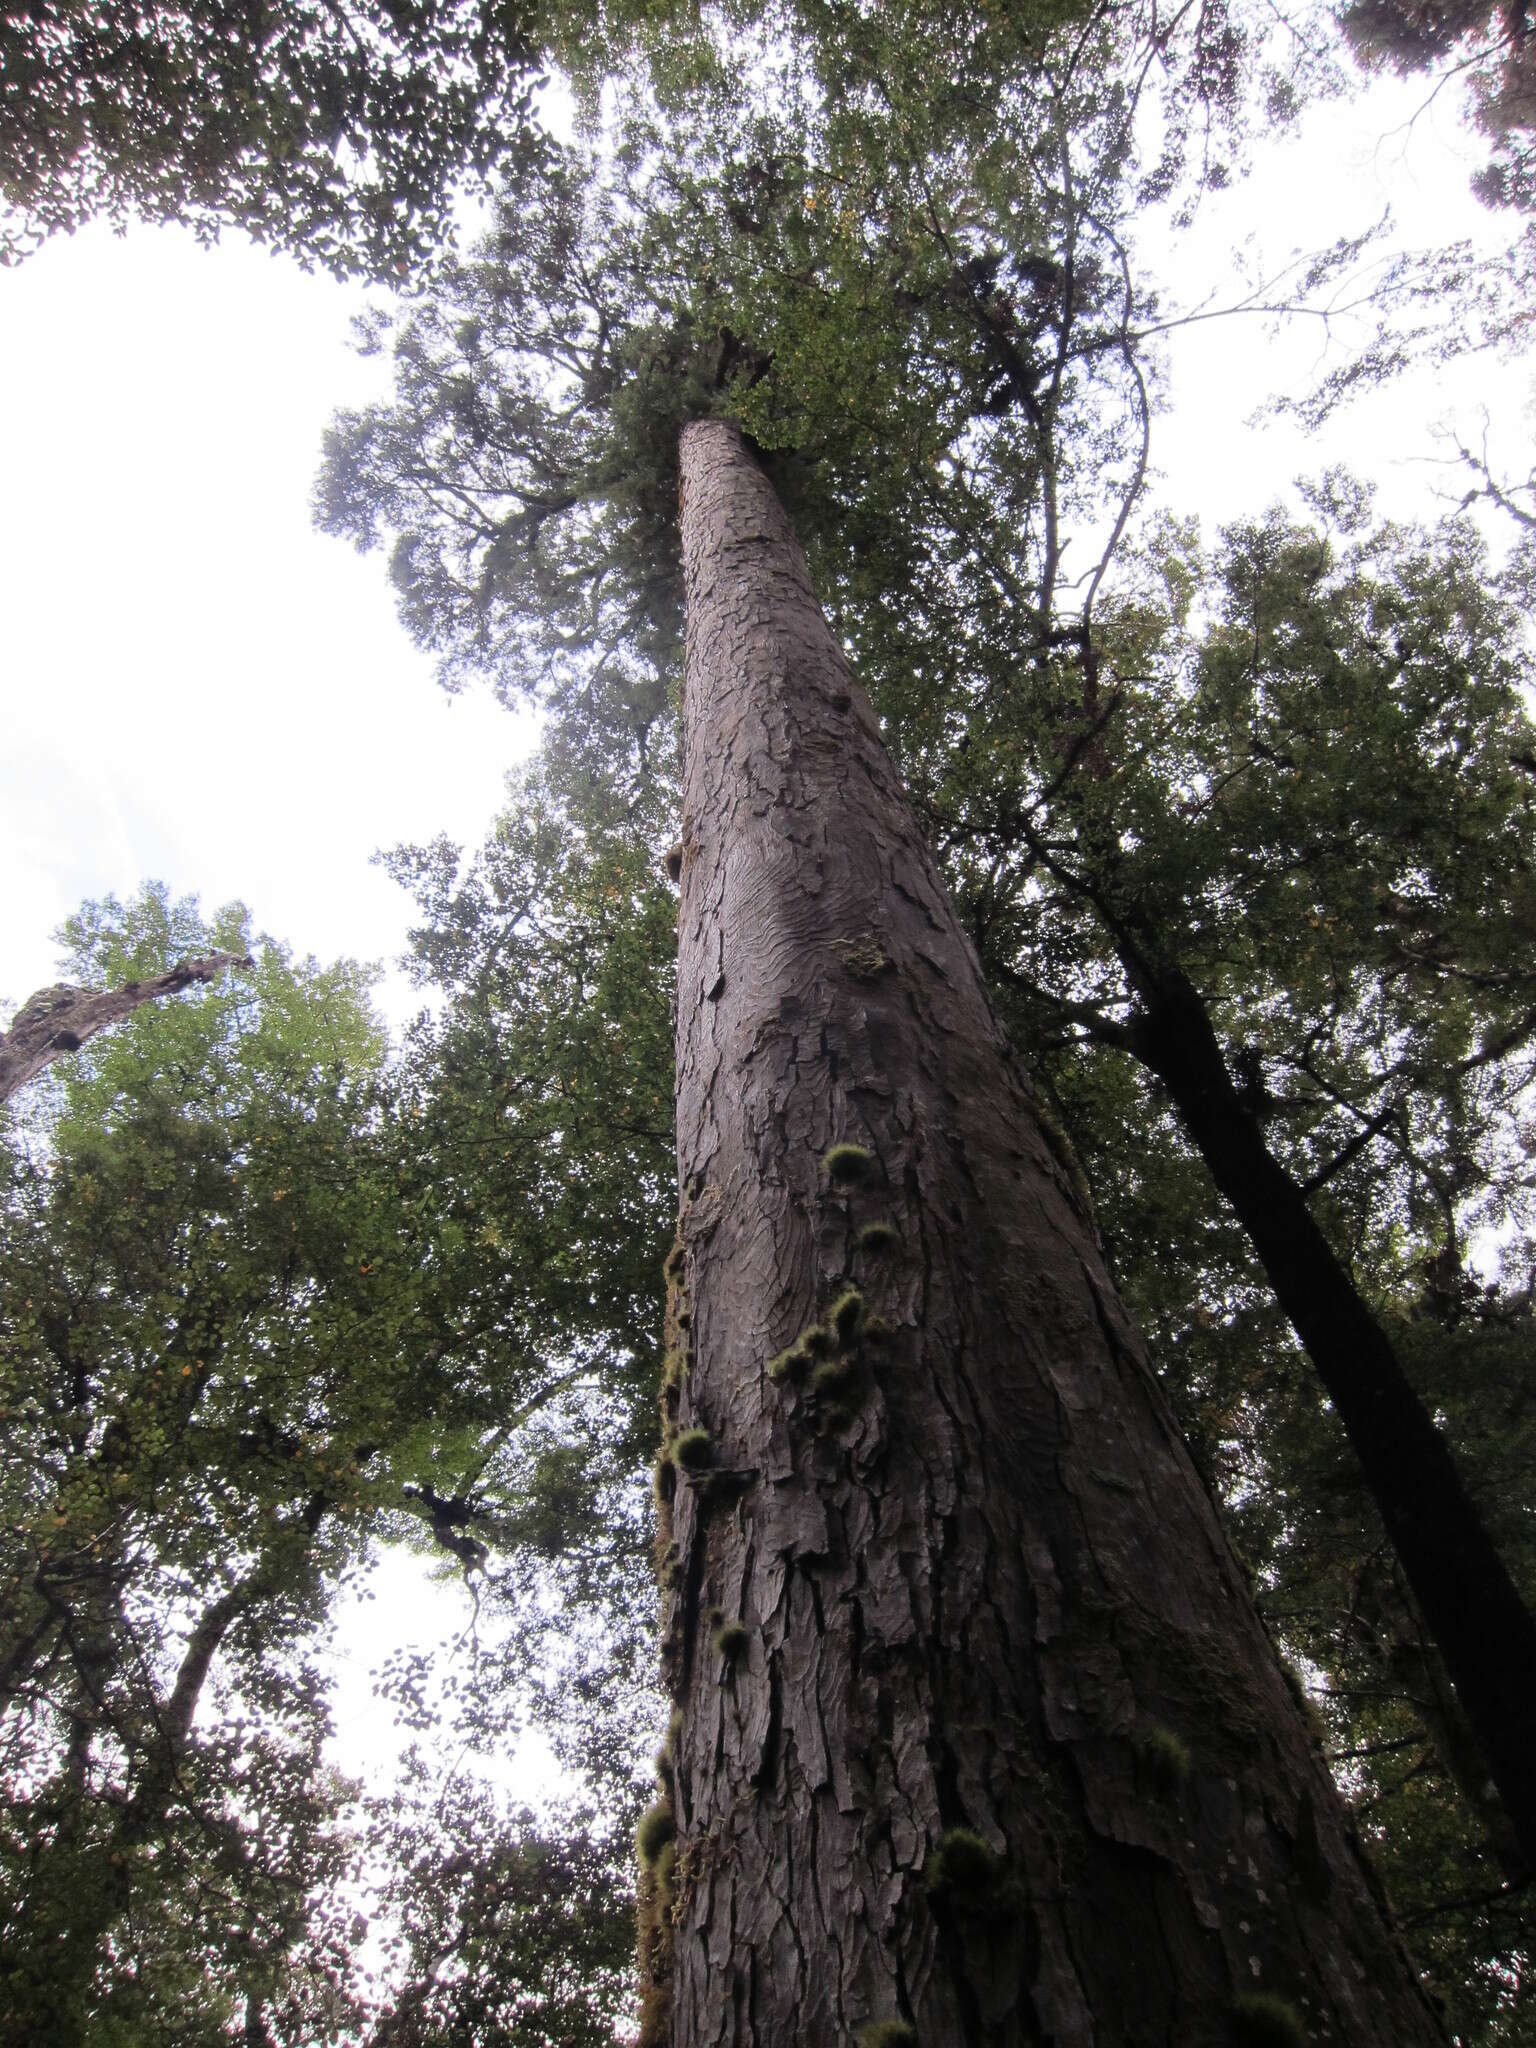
(256, 1318)
(337, 132)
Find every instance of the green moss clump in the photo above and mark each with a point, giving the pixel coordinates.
(674, 1731)
(694, 1451)
(731, 1640)
(1163, 1758)
(877, 1237)
(658, 1827)
(846, 1165)
(969, 1878)
(665, 1867)
(663, 1766)
(961, 1862)
(1261, 2019)
(847, 1316)
(664, 1477)
(835, 1378)
(886, 2034)
(673, 1268)
(877, 1330)
(818, 1341)
(790, 1363)
(863, 957)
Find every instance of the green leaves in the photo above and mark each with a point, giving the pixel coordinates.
(340, 133)
(215, 1373)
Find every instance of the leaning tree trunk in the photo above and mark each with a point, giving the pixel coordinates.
(979, 1737)
(1483, 1628)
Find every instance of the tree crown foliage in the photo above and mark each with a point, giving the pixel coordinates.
(263, 1305)
(339, 133)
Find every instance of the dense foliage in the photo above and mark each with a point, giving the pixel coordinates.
(257, 1314)
(338, 132)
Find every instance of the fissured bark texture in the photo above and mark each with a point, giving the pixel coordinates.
(1004, 1752)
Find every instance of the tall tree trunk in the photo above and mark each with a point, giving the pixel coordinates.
(1484, 1630)
(979, 1733)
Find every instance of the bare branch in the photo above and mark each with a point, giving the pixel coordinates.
(61, 1018)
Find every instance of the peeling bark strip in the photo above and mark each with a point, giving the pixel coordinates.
(62, 1018)
(980, 1737)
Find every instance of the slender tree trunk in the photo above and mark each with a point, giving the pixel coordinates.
(979, 1732)
(1483, 1629)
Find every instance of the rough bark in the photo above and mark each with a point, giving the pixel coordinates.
(61, 1018)
(999, 1749)
(1484, 1630)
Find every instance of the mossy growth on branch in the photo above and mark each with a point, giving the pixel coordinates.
(731, 1641)
(877, 1238)
(1262, 2019)
(672, 1268)
(658, 1827)
(846, 1165)
(694, 1450)
(674, 1732)
(847, 1316)
(877, 1330)
(664, 1476)
(1162, 1758)
(886, 2034)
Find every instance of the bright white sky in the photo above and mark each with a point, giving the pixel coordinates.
(197, 687)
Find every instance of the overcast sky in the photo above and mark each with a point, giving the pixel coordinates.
(198, 687)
